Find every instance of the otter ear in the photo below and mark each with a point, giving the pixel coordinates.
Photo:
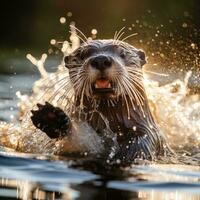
(142, 57)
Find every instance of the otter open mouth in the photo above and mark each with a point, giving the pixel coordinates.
(103, 86)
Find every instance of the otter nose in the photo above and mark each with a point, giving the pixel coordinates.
(101, 62)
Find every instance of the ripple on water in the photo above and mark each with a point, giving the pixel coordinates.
(30, 175)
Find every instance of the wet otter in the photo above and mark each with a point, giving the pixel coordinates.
(107, 79)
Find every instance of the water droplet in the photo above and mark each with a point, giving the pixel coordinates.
(53, 41)
(69, 14)
(94, 31)
(134, 128)
(184, 25)
(193, 45)
(118, 161)
(62, 20)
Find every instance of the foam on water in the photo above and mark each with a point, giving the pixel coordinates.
(176, 111)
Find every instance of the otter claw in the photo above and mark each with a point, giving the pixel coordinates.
(51, 120)
(34, 111)
(40, 106)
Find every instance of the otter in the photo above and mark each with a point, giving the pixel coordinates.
(109, 95)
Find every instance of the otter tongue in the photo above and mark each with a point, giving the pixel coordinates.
(102, 83)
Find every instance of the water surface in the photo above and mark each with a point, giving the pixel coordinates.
(28, 176)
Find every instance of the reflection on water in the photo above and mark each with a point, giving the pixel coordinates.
(29, 178)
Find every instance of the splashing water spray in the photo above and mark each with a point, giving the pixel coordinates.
(176, 111)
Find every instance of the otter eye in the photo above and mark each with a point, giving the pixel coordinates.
(87, 53)
(74, 59)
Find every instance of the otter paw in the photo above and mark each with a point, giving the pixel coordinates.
(51, 120)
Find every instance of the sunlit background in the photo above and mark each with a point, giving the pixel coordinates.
(164, 28)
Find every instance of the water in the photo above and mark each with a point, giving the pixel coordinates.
(38, 174)
(24, 177)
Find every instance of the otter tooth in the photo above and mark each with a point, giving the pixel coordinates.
(96, 85)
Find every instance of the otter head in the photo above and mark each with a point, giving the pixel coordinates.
(106, 69)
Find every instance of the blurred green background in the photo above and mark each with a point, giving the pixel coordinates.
(165, 28)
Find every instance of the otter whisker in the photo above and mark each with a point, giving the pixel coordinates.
(119, 36)
(155, 73)
(116, 36)
(119, 88)
(147, 147)
(76, 77)
(79, 31)
(133, 96)
(131, 35)
(54, 76)
(76, 70)
(127, 106)
(89, 88)
(118, 32)
(133, 93)
(125, 98)
(138, 96)
(47, 90)
(59, 91)
(62, 82)
(151, 139)
(132, 80)
(52, 87)
(68, 90)
(65, 99)
(59, 82)
(136, 77)
(77, 80)
(75, 64)
(67, 103)
(81, 39)
(137, 82)
(134, 70)
(81, 104)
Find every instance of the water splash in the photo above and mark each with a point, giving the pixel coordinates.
(176, 111)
